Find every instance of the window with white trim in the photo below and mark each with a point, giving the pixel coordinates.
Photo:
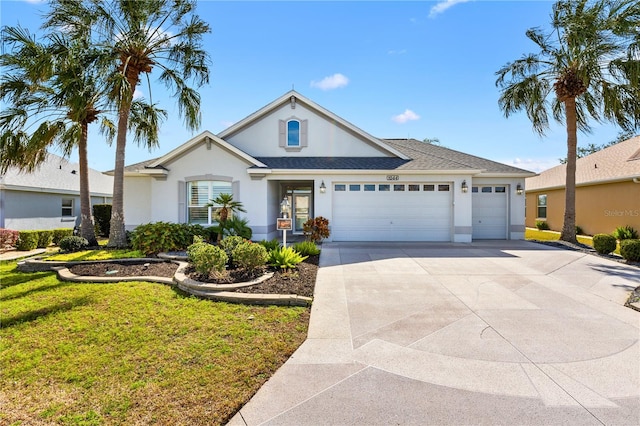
(201, 193)
(67, 207)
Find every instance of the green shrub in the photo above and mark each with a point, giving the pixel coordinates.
(157, 237)
(234, 226)
(27, 240)
(8, 238)
(270, 245)
(45, 238)
(630, 249)
(316, 229)
(206, 257)
(102, 218)
(285, 258)
(306, 248)
(579, 230)
(625, 233)
(73, 243)
(604, 243)
(542, 225)
(229, 243)
(60, 233)
(250, 256)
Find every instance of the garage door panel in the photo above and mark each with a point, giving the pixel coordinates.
(391, 216)
(489, 213)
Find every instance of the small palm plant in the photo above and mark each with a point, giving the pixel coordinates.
(226, 205)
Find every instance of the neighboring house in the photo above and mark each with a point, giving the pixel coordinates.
(607, 191)
(370, 189)
(48, 198)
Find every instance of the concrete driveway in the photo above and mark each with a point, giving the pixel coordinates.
(504, 332)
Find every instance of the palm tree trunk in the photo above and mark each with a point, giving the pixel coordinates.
(569, 226)
(86, 218)
(117, 234)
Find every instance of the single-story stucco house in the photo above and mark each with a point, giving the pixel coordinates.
(370, 189)
(48, 198)
(607, 191)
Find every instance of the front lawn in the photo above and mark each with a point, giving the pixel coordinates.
(535, 234)
(132, 353)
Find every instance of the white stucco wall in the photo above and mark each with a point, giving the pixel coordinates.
(137, 200)
(325, 138)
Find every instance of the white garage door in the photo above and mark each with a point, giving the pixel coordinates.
(489, 212)
(391, 212)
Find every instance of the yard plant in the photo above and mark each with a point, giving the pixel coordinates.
(625, 233)
(285, 258)
(604, 243)
(630, 250)
(132, 353)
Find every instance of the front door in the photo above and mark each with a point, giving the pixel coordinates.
(301, 211)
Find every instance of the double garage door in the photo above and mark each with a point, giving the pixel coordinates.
(392, 212)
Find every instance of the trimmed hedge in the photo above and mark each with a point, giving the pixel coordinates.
(102, 218)
(73, 243)
(45, 238)
(630, 250)
(60, 233)
(157, 237)
(27, 240)
(604, 243)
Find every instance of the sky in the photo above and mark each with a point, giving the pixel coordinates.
(414, 69)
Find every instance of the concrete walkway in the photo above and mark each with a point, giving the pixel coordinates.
(501, 332)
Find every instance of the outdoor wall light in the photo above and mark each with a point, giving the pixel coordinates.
(323, 188)
(519, 189)
(284, 207)
(465, 188)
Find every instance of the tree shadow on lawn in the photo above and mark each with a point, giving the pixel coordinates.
(43, 312)
(22, 277)
(35, 290)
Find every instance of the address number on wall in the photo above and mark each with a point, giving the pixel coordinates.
(393, 177)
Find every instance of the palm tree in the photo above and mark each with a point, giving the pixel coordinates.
(142, 36)
(587, 67)
(54, 94)
(225, 205)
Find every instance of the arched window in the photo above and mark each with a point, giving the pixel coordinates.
(293, 133)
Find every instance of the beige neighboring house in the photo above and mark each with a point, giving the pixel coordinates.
(48, 198)
(607, 191)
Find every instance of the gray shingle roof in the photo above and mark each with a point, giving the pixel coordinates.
(57, 174)
(333, 163)
(433, 157)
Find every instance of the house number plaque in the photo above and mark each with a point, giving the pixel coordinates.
(393, 177)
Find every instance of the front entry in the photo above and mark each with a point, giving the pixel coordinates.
(300, 196)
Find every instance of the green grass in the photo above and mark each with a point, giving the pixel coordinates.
(132, 353)
(535, 234)
(102, 254)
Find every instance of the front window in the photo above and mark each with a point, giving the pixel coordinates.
(67, 207)
(293, 133)
(201, 193)
(542, 206)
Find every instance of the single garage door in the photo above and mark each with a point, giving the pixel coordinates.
(489, 212)
(391, 212)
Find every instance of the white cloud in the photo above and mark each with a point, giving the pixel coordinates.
(332, 82)
(536, 165)
(397, 52)
(407, 115)
(444, 5)
(138, 94)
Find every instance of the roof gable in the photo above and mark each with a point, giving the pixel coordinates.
(294, 98)
(205, 137)
(615, 163)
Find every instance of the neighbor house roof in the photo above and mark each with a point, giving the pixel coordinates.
(57, 175)
(613, 164)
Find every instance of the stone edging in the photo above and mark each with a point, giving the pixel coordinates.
(219, 292)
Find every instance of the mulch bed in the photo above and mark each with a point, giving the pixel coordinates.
(300, 281)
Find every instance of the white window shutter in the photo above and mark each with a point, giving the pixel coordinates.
(304, 124)
(282, 140)
(182, 201)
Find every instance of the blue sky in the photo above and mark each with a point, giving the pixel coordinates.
(419, 69)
